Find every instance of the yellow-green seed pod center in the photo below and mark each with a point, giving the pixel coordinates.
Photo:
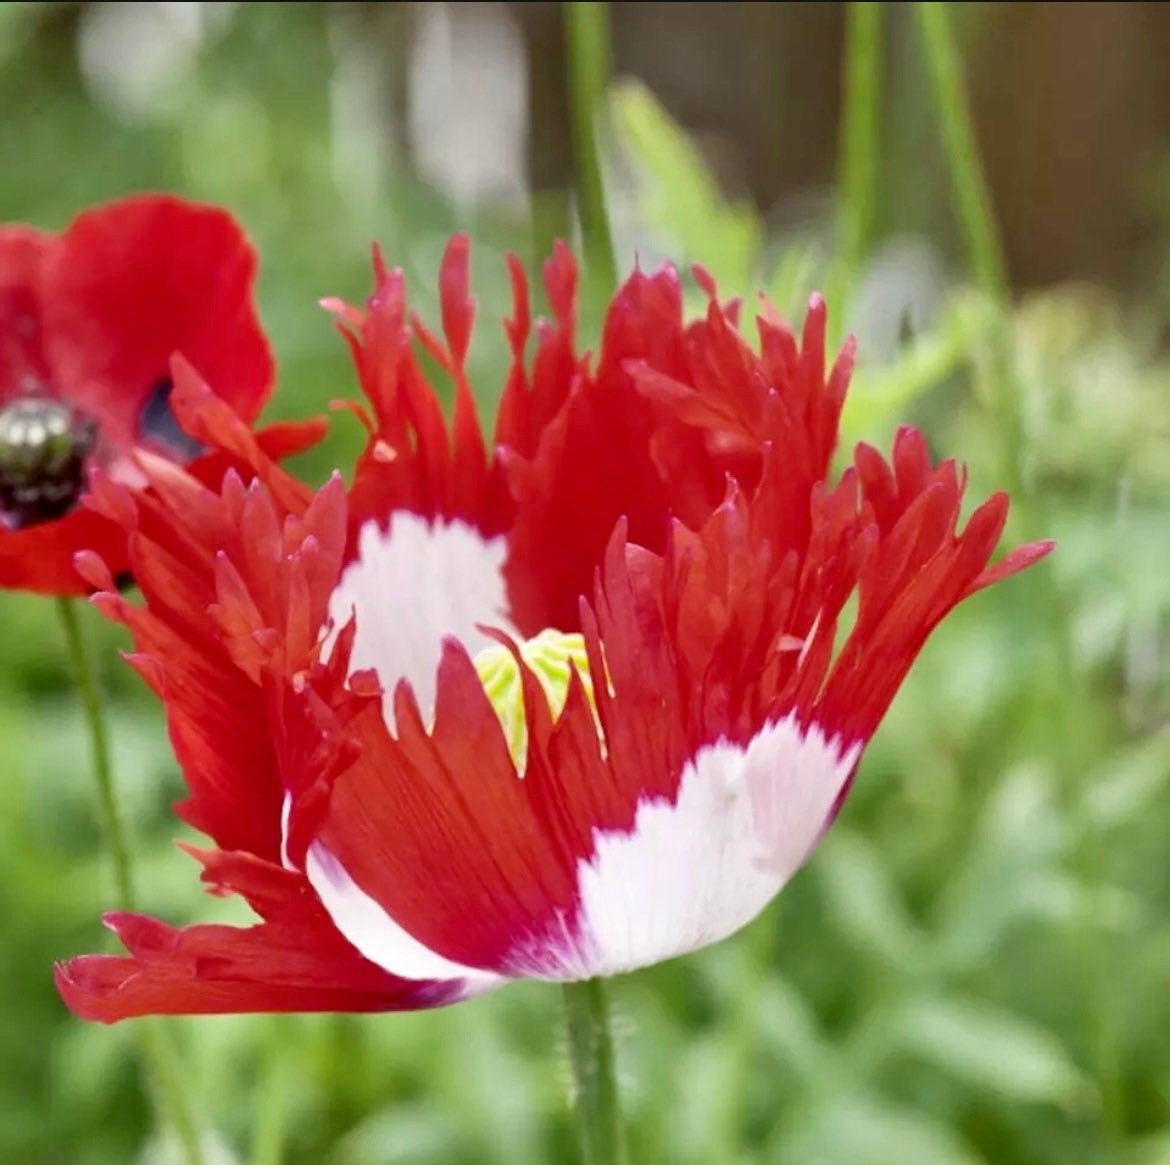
(551, 655)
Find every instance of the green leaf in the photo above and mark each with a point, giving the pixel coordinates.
(865, 903)
(1008, 871)
(1153, 1149)
(874, 1131)
(1130, 783)
(165, 1150)
(678, 196)
(882, 396)
(993, 1050)
(416, 1133)
(789, 1029)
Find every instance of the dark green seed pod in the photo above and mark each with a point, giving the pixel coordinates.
(44, 445)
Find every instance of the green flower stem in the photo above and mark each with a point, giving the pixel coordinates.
(99, 746)
(166, 1078)
(591, 1053)
(860, 138)
(587, 29)
(977, 223)
(973, 201)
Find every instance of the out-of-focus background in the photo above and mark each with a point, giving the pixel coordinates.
(976, 965)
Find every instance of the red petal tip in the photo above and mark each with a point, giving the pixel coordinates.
(706, 281)
(93, 570)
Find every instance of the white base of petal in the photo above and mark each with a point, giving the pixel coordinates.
(413, 585)
(376, 935)
(688, 874)
(691, 873)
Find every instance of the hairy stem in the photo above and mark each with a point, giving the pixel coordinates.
(591, 1053)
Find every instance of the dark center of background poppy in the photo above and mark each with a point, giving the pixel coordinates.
(44, 444)
(160, 428)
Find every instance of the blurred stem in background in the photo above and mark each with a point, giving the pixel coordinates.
(985, 254)
(588, 32)
(99, 744)
(166, 1077)
(976, 216)
(549, 147)
(268, 1129)
(594, 1080)
(857, 164)
(977, 223)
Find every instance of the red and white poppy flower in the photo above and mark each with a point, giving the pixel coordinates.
(558, 711)
(89, 320)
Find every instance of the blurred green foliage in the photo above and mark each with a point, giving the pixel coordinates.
(974, 966)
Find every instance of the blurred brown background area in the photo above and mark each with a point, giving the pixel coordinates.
(1072, 104)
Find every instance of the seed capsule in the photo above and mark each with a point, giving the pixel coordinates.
(44, 444)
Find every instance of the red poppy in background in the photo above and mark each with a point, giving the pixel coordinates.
(89, 320)
(560, 711)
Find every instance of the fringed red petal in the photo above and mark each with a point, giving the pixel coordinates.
(203, 629)
(671, 410)
(292, 961)
(673, 504)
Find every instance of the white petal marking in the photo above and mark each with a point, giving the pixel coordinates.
(285, 822)
(411, 586)
(375, 934)
(692, 873)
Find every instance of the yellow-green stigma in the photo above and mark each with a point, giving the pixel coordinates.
(551, 655)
